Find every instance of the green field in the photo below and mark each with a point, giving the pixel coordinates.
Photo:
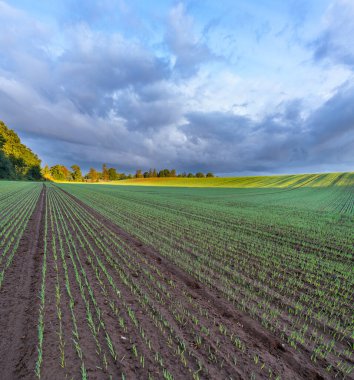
(278, 248)
(254, 281)
(280, 181)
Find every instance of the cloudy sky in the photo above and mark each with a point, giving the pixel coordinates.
(232, 86)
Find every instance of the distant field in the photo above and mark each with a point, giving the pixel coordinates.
(193, 282)
(281, 181)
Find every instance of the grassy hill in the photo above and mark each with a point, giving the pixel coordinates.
(280, 181)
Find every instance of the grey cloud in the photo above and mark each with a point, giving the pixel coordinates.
(335, 118)
(282, 139)
(181, 40)
(98, 66)
(335, 41)
(210, 126)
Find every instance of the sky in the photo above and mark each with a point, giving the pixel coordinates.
(234, 87)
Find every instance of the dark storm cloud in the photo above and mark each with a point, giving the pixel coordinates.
(98, 66)
(241, 144)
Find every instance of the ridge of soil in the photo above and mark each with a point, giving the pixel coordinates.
(19, 301)
(294, 364)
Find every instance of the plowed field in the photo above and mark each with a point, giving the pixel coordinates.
(101, 282)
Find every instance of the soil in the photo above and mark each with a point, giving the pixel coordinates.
(289, 363)
(175, 290)
(19, 301)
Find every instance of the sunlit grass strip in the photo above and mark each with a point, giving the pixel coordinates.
(283, 181)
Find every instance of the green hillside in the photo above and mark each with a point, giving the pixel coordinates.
(281, 181)
(17, 161)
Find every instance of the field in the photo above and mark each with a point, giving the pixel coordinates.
(155, 282)
(280, 181)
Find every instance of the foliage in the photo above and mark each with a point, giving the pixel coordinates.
(105, 174)
(60, 173)
(112, 174)
(93, 175)
(16, 160)
(76, 173)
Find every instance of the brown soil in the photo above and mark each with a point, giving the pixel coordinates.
(19, 302)
(173, 290)
(290, 364)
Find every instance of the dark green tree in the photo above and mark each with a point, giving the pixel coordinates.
(17, 160)
(112, 174)
(76, 174)
(105, 174)
(6, 168)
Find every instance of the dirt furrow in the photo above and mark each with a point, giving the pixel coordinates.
(19, 301)
(296, 363)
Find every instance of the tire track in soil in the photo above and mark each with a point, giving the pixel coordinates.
(293, 362)
(19, 301)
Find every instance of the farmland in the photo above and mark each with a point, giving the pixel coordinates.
(210, 279)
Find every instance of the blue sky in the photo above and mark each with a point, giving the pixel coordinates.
(236, 87)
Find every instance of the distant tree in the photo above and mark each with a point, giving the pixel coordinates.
(76, 174)
(209, 175)
(154, 173)
(164, 173)
(199, 175)
(93, 175)
(105, 174)
(66, 172)
(122, 176)
(190, 175)
(112, 174)
(173, 173)
(46, 173)
(139, 174)
(60, 173)
(146, 175)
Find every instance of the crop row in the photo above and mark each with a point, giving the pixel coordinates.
(17, 202)
(278, 265)
(115, 311)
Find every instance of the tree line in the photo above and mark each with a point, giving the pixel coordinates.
(62, 173)
(18, 162)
